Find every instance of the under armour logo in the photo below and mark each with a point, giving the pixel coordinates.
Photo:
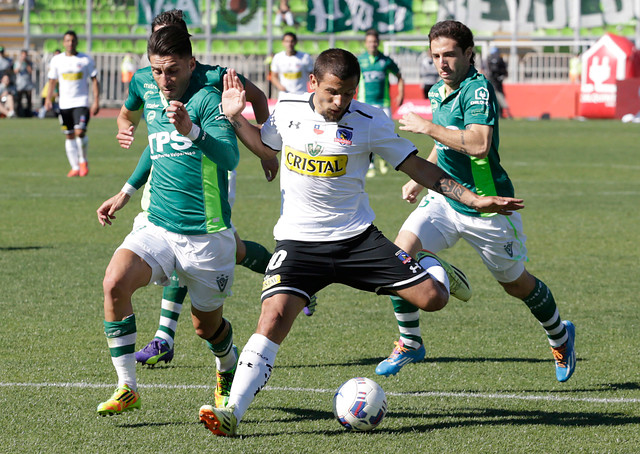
(415, 268)
(294, 123)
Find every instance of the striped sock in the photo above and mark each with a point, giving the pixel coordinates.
(172, 298)
(543, 307)
(121, 337)
(408, 318)
(225, 356)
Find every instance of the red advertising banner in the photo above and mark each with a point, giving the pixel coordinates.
(609, 60)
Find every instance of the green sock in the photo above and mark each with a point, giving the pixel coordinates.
(172, 298)
(121, 337)
(408, 318)
(225, 356)
(257, 257)
(543, 307)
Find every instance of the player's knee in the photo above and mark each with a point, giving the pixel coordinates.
(430, 297)
(113, 286)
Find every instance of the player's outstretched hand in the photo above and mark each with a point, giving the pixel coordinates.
(413, 123)
(270, 167)
(411, 191)
(234, 97)
(110, 206)
(179, 117)
(125, 137)
(500, 205)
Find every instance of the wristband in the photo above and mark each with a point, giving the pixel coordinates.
(128, 189)
(194, 133)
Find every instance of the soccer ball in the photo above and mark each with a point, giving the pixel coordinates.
(359, 404)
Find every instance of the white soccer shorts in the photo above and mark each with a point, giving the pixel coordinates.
(498, 239)
(204, 263)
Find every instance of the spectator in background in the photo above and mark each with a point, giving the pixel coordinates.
(7, 92)
(428, 73)
(496, 72)
(290, 68)
(284, 14)
(6, 64)
(127, 68)
(53, 112)
(23, 69)
(575, 69)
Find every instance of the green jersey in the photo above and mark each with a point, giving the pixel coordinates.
(374, 79)
(474, 102)
(188, 187)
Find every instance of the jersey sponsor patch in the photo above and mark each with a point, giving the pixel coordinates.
(319, 166)
(270, 281)
(72, 76)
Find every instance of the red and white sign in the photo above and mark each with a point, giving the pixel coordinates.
(608, 61)
(421, 107)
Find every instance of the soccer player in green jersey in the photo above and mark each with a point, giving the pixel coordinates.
(466, 134)
(252, 255)
(187, 225)
(373, 87)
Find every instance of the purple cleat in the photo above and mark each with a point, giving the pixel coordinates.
(155, 351)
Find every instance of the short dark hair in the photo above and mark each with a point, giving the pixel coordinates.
(293, 35)
(170, 40)
(171, 17)
(456, 31)
(372, 32)
(339, 62)
(72, 33)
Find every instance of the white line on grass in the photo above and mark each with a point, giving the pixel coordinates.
(464, 395)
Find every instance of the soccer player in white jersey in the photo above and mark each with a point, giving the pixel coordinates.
(290, 68)
(74, 71)
(325, 233)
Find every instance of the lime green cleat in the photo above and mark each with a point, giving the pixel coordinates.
(458, 282)
(123, 399)
(220, 421)
(224, 380)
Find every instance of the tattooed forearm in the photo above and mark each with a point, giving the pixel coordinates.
(449, 188)
(235, 123)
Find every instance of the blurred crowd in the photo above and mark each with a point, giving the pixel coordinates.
(17, 88)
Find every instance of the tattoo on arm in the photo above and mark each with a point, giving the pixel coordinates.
(449, 188)
(463, 149)
(235, 123)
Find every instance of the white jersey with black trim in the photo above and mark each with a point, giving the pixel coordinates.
(73, 72)
(323, 166)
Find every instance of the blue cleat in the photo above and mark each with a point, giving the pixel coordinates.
(155, 351)
(565, 355)
(399, 357)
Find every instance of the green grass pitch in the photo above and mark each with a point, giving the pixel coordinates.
(487, 384)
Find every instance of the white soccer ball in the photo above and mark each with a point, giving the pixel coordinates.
(359, 404)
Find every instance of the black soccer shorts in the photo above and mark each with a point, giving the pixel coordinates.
(368, 261)
(75, 118)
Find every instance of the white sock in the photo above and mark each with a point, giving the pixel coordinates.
(126, 369)
(82, 143)
(434, 268)
(253, 372)
(71, 147)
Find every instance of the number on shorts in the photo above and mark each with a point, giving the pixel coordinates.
(276, 259)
